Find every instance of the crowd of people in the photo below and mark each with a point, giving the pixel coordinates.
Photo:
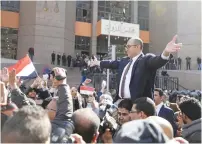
(60, 114)
(138, 113)
(80, 61)
(176, 63)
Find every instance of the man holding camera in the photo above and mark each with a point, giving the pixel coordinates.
(124, 108)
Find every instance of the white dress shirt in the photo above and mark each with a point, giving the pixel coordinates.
(158, 107)
(128, 76)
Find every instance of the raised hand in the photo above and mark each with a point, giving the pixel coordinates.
(4, 75)
(173, 47)
(12, 79)
(4, 94)
(36, 82)
(87, 81)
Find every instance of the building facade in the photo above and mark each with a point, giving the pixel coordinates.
(168, 18)
(70, 27)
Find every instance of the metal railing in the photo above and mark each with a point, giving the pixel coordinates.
(167, 83)
(164, 82)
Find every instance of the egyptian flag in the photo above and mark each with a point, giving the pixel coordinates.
(86, 90)
(24, 68)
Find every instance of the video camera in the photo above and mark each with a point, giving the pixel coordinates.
(109, 121)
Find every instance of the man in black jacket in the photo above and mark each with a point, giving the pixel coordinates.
(63, 59)
(69, 59)
(31, 53)
(53, 58)
(136, 73)
(58, 58)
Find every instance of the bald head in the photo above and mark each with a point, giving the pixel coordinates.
(135, 41)
(134, 47)
(164, 124)
(86, 123)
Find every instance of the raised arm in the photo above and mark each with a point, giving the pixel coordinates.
(106, 64)
(159, 61)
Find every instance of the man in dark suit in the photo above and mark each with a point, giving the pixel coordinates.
(58, 58)
(162, 110)
(136, 73)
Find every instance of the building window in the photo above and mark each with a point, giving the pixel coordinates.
(83, 11)
(82, 43)
(13, 6)
(143, 15)
(9, 40)
(105, 7)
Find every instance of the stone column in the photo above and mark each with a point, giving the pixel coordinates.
(46, 31)
(134, 12)
(93, 46)
(70, 19)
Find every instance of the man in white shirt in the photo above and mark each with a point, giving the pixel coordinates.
(136, 73)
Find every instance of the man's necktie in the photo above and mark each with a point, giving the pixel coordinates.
(124, 78)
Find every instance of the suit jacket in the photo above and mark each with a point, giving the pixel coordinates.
(168, 114)
(143, 74)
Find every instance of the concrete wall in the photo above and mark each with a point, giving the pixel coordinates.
(93, 45)
(70, 18)
(162, 24)
(189, 30)
(183, 18)
(26, 31)
(46, 31)
(188, 79)
(134, 12)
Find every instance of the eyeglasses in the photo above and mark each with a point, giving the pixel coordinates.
(128, 46)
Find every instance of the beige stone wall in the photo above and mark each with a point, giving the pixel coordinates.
(188, 79)
(47, 31)
(162, 24)
(189, 30)
(183, 18)
(26, 33)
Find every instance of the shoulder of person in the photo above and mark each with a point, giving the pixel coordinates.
(125, 58)
(149, 55)
(168, 108)
(195, 137)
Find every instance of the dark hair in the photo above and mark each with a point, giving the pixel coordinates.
(146, 105)
(126, 103)
(191, 108)
(160, 91)
(86, 123)
(29, 125)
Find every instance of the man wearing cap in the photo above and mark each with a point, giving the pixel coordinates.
(64, 109)
(136, 72)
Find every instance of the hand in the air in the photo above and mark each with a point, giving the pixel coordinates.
(4, 75)
(87, 81)
(13, 79)
(94, 62)
(173, 47)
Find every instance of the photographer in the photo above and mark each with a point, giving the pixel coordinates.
(124, 108)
